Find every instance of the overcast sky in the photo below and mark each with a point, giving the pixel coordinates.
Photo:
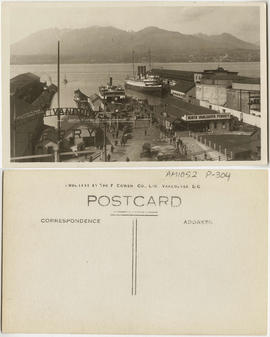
(242, 22)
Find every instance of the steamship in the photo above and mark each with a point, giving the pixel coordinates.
(110, 92)
(144, 82)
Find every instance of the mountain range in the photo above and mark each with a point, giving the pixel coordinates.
(108, 44)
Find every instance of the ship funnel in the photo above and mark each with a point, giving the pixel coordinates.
(144, 70)
(141, 71)
(110, 81)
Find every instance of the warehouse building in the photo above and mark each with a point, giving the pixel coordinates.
(184, 90)
(214, 84)
(244, 96)
(177, 114)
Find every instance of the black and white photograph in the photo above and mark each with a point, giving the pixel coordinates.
(135, 168)
(116, 82)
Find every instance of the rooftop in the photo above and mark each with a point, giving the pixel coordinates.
(178, 108)
(80, 94)
(216, 76)
(95, 98)
(247, 80)
(219, 70)
(176, 74)
(183, 86)
(22, 80)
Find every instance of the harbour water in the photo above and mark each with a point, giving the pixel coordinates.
(88, 77)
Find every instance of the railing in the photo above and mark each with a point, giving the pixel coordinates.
(95, 155)
(30, 114)
(218, 148)
(52, 156)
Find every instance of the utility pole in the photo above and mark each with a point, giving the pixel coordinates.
(105, 137)
(57, 156)
(58, 86)
(14, 127)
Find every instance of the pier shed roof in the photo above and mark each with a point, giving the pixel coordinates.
(178, 108)
(183, 86)
(175, 74)
(247, 80)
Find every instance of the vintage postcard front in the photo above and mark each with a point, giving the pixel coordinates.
(137, 83)
(151, 252)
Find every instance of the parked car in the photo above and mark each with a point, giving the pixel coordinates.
(166, 156)
(146, 147)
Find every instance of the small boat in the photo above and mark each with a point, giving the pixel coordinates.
(65, 80)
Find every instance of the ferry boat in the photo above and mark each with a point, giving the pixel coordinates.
(112, 93)
(145, 82)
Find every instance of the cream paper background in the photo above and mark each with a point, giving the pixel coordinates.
(192, 278)
(6, 23)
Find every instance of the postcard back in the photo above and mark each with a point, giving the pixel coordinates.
(135, 252)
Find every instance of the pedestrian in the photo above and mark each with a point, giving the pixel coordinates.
(145, 132)
(112, 148)
(127, 159)
(90, 158)
(116, 142)
(108, 157)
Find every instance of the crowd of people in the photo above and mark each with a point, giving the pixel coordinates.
(117, 138)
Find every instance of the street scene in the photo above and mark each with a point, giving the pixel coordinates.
(141, 103)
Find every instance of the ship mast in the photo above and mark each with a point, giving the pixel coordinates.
(58, 74)
(150, 63)
(57, 158)
(133, 64)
